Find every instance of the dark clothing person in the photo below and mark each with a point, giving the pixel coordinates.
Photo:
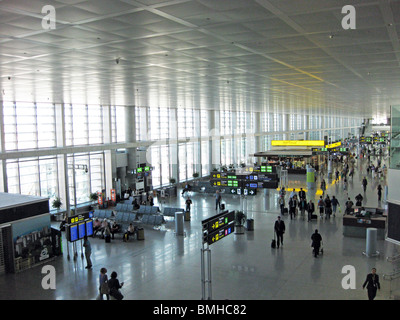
(310, 209)
(188, 204)
(328, 207)
(302, 206)
(292, 207)
(279, 229)
(372, 283)
(114, 286)
(316, 242)
(364, 183)
(379, 193)
(302, 194)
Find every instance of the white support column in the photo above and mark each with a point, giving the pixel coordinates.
(110, 168)
(62, 160)
(3, 171)
(173, 147)
(130, 136)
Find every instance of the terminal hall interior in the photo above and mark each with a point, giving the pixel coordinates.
(157, 142)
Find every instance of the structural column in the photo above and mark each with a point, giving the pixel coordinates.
(130, 136)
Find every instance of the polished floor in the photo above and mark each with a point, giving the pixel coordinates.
(244, 266)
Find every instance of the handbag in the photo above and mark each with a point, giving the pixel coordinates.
(104, 289)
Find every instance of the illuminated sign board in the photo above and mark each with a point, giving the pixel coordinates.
(298, 143)
(221, 233)
(218, 227)
(73, 233)
(78, 218)
(333, 145)
(89, 228)
(218, 221)
(81, 230)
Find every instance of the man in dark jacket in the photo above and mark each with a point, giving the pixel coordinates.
(310, 209)
(302, 194)
(316, 242)
(279, 229)
(372, 283)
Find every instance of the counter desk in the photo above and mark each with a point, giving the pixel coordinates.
(355, 226)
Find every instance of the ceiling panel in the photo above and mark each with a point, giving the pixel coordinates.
(204, 50)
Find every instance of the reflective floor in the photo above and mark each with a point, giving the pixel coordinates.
(244, 266)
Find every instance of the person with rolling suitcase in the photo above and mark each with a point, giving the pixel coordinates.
(279, 229)
(316, 242)
(310, 210)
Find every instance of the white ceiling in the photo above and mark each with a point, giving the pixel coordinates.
(230, 54)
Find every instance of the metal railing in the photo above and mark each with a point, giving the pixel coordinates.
(390, 277)
(393, 258)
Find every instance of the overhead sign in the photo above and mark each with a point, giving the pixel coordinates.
(298, 143)
(244, 191)
(219, 234)
(219, 221)
(218, 227)
(333, 145)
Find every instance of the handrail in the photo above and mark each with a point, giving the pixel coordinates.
(391, 276)
(393, 258)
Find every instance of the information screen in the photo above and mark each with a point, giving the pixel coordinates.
(82, 230)
(73, 233)
(89, 228)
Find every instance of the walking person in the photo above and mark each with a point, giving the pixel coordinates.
(218, 199)
(335, 203)
(88, 252)
(310, 209)
(323, 186)
(372, 283)
(281, 202)
(279, 229)
(379, 192)
(103, 284)
(321, 206)
(364, 184)
(302, 207)
(188, 204)
(293, 206)
(328, 206)
(316, 242)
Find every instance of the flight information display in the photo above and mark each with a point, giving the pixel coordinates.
(82, 230)
(250, 180)
(89, 228)
(73, 233)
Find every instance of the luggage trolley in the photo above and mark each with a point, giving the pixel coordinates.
(321, 249)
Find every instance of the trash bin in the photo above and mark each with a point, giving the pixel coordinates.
(140, 234)
(187, 215)
(250, 224)
(371, 243)
(179, 223)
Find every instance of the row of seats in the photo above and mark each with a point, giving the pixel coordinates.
(125, 207)
(155, 220)
(170, 212)
(125, 218)
(148, 210)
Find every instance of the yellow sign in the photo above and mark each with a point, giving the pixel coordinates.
(333, 145)
(298, 143)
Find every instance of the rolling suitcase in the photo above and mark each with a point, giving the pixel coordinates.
(222, 206)
(285, 210)
(273, 243)
(107, 238)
